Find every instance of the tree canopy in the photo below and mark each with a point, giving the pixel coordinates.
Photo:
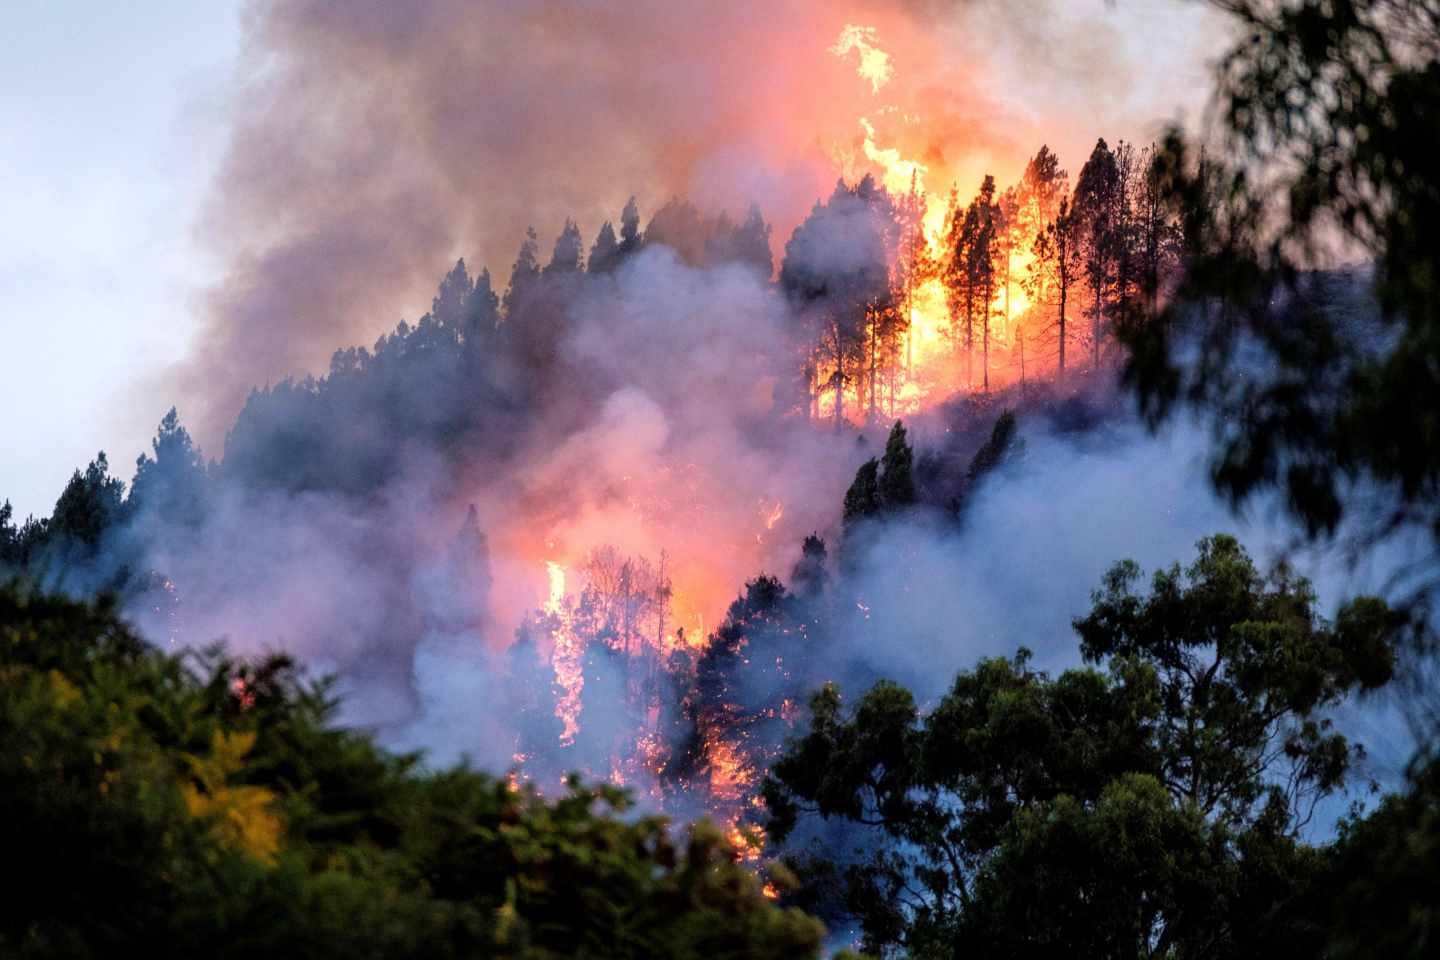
(163, 805)
(1322, 383)
(1152, 803)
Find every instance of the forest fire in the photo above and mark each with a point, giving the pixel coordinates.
(607, 683)
(955, 270)
(898, 298)
(566, 655)
(655, 435)
(700, 570)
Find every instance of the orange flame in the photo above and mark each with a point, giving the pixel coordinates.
(566, 656)
(874, 64)
(934, 365)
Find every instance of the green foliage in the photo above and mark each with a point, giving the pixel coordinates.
(1001, 443)
(93, 538)
(1243, 663)
(88, 505)
(210, 808)
(883, 486)
(241, 816)
(1386, 875)
(171, 485)
(863, 497)
(1152, 806)
(897, 482)
(1322, 384)
(18, 542)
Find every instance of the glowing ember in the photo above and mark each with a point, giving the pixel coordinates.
(242, 693)
(730, 776)
(747, 841)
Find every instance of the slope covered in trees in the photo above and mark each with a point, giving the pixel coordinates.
(1157, 801)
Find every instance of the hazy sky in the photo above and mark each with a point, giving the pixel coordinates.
(111, 123)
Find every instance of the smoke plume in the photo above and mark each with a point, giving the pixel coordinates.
(373, 144)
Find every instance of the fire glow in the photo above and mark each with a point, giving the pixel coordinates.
(639, 557)
(938, 356)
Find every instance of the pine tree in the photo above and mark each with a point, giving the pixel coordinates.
(1042, 187)
(969, 274)
(1124, 234)
(896, 486)
(170, 487)
(448, 306)
(863, 498)
(809, 578)
(679, 226)
(1096, 207)
(914, 265)
(523, 274)
(752, 243)
(1007, 233)
(1158, 236)
(605, 251)
(9, 537)
(565, 259)
(1001, 443)
(1057, 266)
(481, 315)
(607, 712)
(981, 266)
(532, 692)
(469, 575)
(630, 241)
(91, 503)
(840, 298)
(951, 269)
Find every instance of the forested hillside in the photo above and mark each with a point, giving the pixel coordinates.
(702, 592)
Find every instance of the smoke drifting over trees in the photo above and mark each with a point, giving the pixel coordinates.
(515, 527)
(790, 419)
(448, 129)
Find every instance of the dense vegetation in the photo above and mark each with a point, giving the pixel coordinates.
(1154, 803)
(1330, 106)
(202, 807)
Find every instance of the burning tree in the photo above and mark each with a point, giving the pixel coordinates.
(836, 272)
(1056, 266)
(1096, 205)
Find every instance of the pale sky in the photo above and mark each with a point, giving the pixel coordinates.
(111, 123)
